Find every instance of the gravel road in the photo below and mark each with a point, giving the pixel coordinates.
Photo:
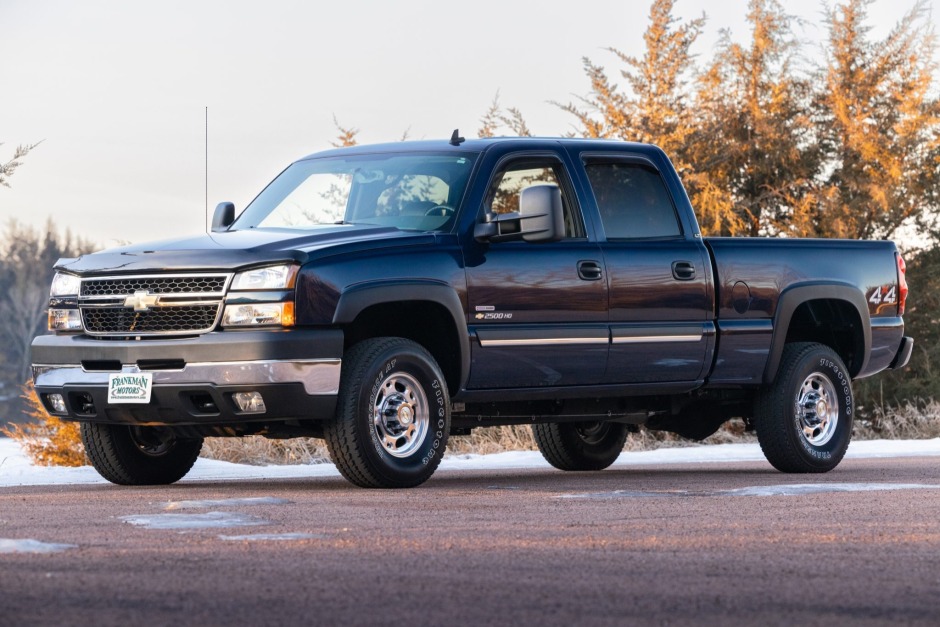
(714, 544)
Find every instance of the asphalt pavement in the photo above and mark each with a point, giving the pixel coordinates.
(710, 544)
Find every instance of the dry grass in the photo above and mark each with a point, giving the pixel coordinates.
(260, 451)
(493, 440)
(914, 420)
(46, 440)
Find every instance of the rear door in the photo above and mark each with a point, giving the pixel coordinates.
(537, 311)
(657, 273)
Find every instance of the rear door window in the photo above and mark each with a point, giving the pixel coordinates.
(633, 201)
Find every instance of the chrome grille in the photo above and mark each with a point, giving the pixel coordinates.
(152, 305)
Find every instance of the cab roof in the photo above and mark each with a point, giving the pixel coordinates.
(504, 144)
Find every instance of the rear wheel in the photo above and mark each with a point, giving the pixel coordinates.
(804, 419)
(129, 455)
(392, 417)
(580, 445)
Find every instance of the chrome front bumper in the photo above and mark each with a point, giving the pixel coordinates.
(318, 376)
(195, 378)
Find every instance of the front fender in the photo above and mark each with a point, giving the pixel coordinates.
(357, 298)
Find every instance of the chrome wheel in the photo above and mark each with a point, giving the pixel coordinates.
(400, 414)
(817, 409)
(392, 415)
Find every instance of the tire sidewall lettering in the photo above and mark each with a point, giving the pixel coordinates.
(841, 381)
(433, 388)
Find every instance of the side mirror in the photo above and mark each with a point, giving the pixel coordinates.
(540, 218)
(223, 217)
(543, 219)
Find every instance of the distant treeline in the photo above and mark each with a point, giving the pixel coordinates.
(26, 258)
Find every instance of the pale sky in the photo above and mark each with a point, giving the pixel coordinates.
(117, 90)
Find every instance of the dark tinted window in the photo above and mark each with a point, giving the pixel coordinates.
(633, 201)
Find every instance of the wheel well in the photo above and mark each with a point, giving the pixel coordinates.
(426, 322)
(835, 323)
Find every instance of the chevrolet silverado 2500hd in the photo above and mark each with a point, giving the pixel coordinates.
(388, 297)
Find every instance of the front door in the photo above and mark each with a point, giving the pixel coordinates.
(537, 311)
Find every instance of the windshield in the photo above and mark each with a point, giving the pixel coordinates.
(417, 192)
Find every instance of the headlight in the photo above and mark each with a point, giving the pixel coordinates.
(65, 285)
(279, 277)
(259, 315)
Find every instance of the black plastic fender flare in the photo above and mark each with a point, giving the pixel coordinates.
(792, 297)
(357, 298)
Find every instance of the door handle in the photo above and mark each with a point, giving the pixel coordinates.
(683, 270)
(589, 271)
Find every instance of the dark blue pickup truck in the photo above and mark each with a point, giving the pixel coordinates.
(388, 297)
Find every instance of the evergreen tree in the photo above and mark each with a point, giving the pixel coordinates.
(879, 126)
(7, 169)
(495, 119)
(26, 260)
(756, 146)
(347, 135)
(656, 108)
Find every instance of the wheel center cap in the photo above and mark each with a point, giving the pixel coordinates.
(822, 408)
(405, 415)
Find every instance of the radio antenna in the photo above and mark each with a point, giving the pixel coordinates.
(205, 223)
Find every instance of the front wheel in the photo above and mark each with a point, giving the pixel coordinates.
(392, 417)
(128, 455)
(804, 419)
(580, 445)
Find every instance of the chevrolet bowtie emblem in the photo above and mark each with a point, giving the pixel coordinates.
(142, 300)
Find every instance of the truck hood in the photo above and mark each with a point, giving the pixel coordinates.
(232, 250)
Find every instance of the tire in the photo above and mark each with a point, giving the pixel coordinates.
(128, 455)
(392, 416)
(804, 419)
(580, 445)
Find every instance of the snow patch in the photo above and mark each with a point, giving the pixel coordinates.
(793, 489)
(17, 470)
(209, 503)
(798, 489)
(209, 520)
(274, 537)
(630, 494)
(9, 545)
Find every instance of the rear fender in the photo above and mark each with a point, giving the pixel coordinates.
(793, 297)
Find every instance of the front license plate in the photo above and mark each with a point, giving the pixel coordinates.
(129, 387)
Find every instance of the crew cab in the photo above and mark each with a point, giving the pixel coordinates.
(389, 297)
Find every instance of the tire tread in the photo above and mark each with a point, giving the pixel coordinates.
(343, 440)
(562, 447)
(773, 428)
(110, 450)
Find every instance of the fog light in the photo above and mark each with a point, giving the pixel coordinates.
(249, 402)
(65, 320)
(57, 402)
